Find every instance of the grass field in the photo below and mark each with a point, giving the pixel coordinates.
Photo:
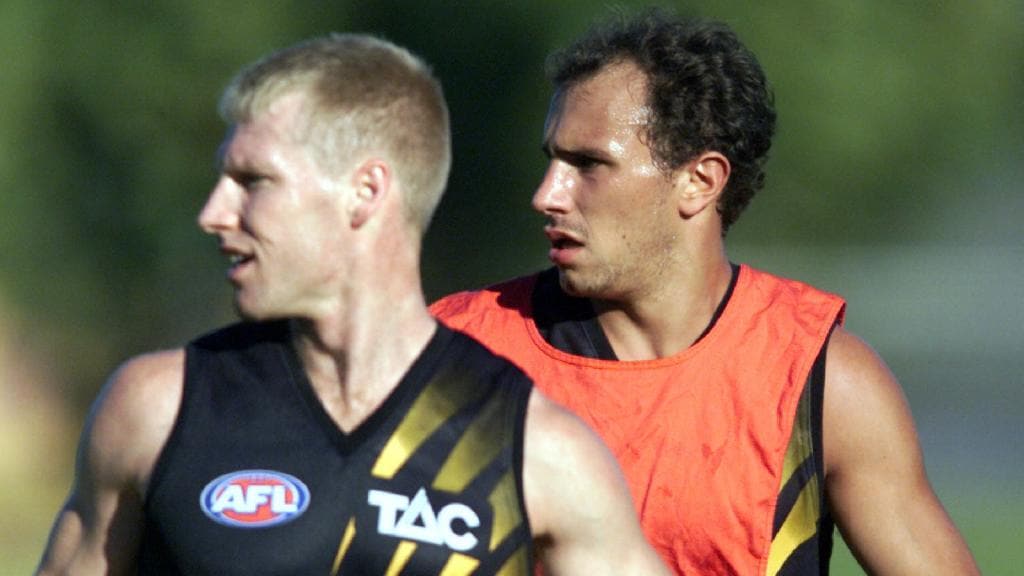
(991, 524)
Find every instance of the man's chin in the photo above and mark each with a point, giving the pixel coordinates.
(571, 284)
(578, 285)
(250, 313)
(246, 315)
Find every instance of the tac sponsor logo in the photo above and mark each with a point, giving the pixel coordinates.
(416, 519)
(254, 498)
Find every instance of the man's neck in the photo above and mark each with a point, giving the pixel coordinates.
(353, 362)
(665, 323)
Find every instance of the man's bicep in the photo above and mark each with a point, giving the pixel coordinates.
(868, 428)
(95, 533)
(876, 482)
(83, 533)
(578, 498)
(98, 529)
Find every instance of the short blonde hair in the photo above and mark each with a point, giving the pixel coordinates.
(365, 94)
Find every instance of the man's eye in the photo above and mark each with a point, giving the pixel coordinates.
(585, 163)
(582, 162)
(248, 180)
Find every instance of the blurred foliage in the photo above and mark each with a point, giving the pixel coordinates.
(109, 130)
(892, 116)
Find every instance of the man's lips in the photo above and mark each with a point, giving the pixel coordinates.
(564, 246)
(238, 259)
(561, 238)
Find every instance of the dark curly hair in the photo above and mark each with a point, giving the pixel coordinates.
(706, 91)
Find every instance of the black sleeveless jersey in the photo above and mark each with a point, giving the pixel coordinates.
(257, 479)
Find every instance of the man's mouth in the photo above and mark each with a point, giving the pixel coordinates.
(238, 259)
(560, 239)
(560, 243)
(564, 246)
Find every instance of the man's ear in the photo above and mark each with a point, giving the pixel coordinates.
(371, 183)
(702, 181)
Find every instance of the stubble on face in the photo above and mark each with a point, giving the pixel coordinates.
(626, 216)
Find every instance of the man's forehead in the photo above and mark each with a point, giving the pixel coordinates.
(616, 86)
(267, 132)
(238, 148)
(614, 99)
(222, 148)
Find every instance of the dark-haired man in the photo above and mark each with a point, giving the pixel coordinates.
(746, 418)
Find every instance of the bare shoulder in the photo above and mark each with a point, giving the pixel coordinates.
(133, 416)
(859, 385)
(865, 412)
(580, 509)
(158, 373)
(560, 441)
(561, 452)
(851, 358)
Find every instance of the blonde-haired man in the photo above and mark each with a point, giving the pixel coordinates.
(338, 429)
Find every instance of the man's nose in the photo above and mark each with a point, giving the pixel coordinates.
(221, 211)
(553, 195)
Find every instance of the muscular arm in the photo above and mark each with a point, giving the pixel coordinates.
(875, 477)
(97, 531)
(580, 510)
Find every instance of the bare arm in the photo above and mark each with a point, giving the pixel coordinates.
(580, 509)
(98, 529)
(876, 483)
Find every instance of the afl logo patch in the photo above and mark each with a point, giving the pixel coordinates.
(254, 498)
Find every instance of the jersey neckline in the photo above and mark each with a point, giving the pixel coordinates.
(742, 279)
(412, 382)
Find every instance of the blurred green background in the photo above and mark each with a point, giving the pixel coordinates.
(894, 180)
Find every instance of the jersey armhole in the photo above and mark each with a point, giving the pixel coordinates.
(170, 447)
(825, 521)
(518, 454)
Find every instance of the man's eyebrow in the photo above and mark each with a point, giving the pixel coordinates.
(554, 151)
(222, 149)
(219, 156)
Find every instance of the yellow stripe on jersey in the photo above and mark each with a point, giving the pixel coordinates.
(800, 524)
(401, 557)
(800, 442)
(801, 521)
(444, 396)
(504, 501)
(346, 541)
(479, 445)
(516, 564)
(459, 565)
